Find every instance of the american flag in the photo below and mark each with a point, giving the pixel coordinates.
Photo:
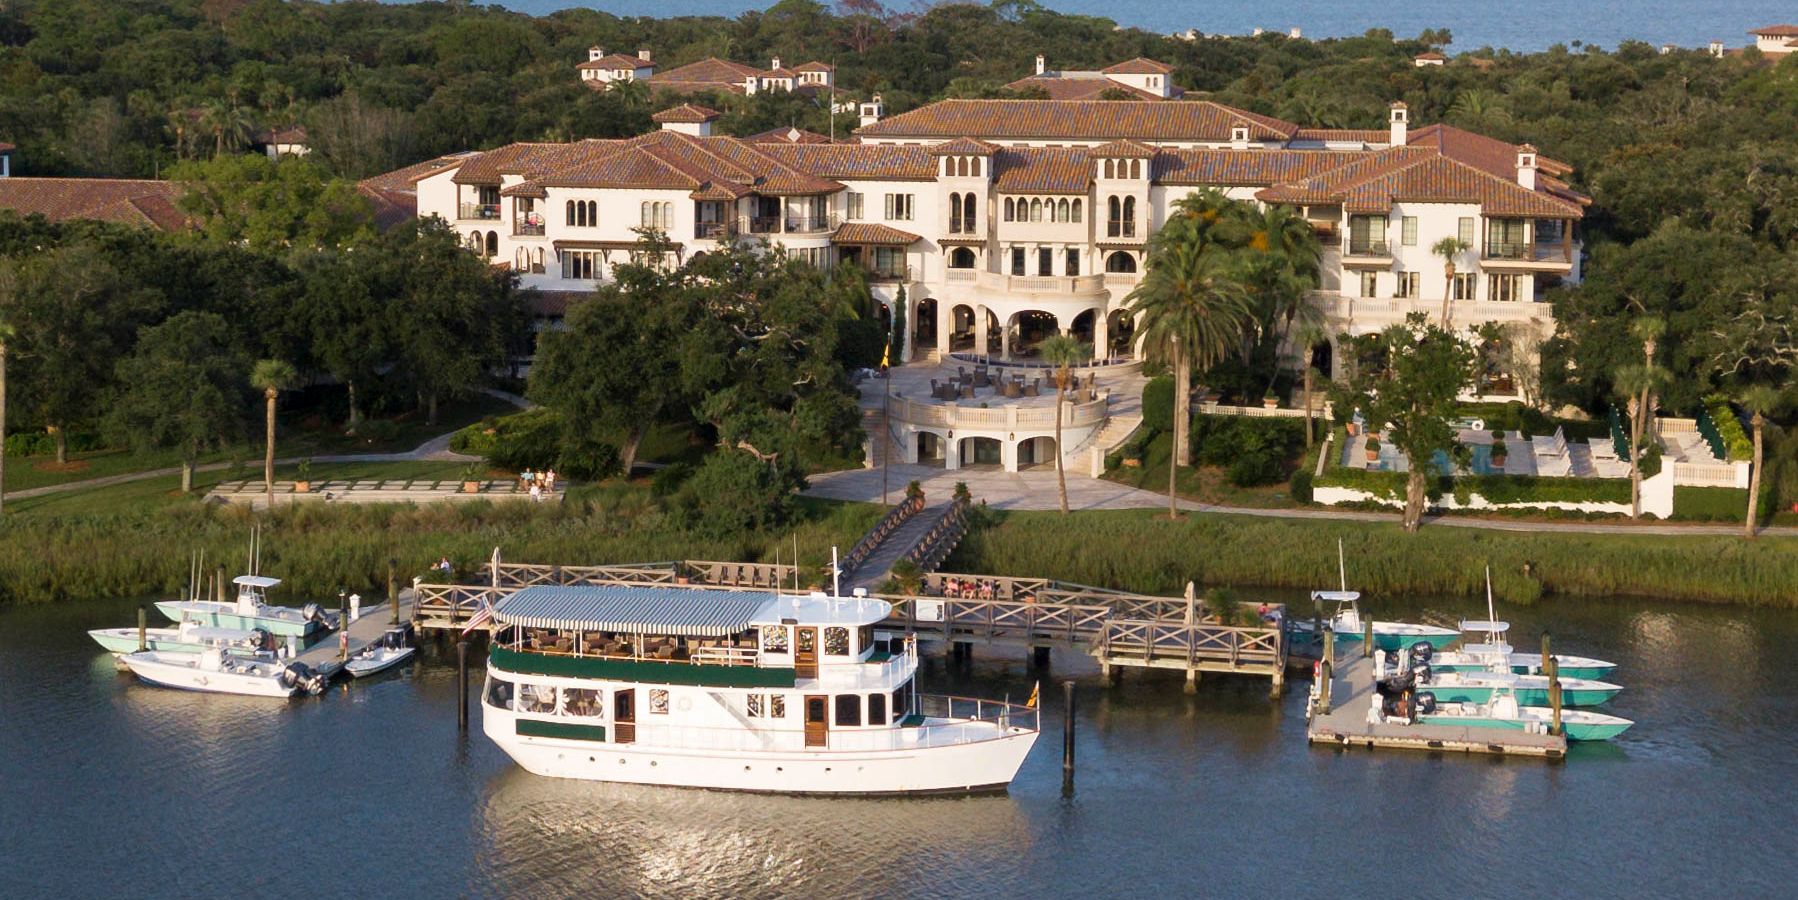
(480, 618)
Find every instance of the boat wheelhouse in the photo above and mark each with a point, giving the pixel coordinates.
(251, 610)
(733, 690)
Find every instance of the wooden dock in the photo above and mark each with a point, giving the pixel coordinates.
(1118, 628)
(1345, 723)
(329, 655)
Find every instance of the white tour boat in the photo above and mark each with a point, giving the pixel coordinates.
(223, 671)
(385, 653)
(733, 690)
(251, 610)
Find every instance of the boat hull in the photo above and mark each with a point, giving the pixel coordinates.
(221, 616)
(167, 670)
(986, 765)
(1387, 636)
(119, 641)
(1526, 695)
(1594, 670)
(1538, 719)
(363, 667)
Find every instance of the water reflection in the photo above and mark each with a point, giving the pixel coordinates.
(551, 836)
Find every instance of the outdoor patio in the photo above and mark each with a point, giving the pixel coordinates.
(1551, 456)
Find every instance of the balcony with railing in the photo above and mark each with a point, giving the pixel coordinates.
(808, 224)
(714, 231)
(478, 211)
(764, 224)
(1120, 229)
(1366, 252)
(1526, 255)
(527, 229)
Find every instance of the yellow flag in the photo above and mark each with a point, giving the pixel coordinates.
(1035, 690)
(885, 353)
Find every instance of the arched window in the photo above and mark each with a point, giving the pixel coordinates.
(961, 258)
(976, 167)
(492, 244)
(646, 215)
(1113, 222)
(967, 208)
(954, 213)
(1120, 261)
(1110, 170)
(521, 259)
(474, 241)
(1136, 168)
(568, 208)
(1036, 210)
(1061, 210)
(1008, 209)
(1076, 218)
(592, 212)
(1129, 217)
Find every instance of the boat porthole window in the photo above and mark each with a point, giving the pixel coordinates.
(652, 763)
(745, 768)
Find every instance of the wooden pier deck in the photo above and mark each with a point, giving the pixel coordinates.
(1346, 723)
(1119, 629)
(328, 657)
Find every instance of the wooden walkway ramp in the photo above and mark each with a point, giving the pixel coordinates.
(1118, 628)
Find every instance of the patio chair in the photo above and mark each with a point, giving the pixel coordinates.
(967, 391)
(980, 379)
(1034, 388)
(1012, 390)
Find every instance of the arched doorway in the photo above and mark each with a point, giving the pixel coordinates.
(961, 258)
(1028, 329)
(1082, 329)
(1036, 451)
(923, 326)
(981, 453)
(1120, 261)
(931, 449)
(961, 327)
(884, 315)
(1120, 333)
(1323, 359)
(995, 339)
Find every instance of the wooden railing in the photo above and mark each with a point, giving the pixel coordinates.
(888, 523)
(940, 540)
(1192, 644)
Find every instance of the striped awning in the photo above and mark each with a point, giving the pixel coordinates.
(632, 609)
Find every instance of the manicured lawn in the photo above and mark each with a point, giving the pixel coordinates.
(310, 435)
(24, 472)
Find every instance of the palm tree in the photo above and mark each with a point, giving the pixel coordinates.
(1309, 335)
(228, 123)
(1758, 400)
(1192, 309)
(1063, 352)
(1638, 383)
(1284, 255)
(1448, 248)
(271, 376)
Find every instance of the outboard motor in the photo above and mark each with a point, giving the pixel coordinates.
(313, 612)
(302, 676)
(1422, 652)
(1426, 702)
(1421, 674)
(263, 640)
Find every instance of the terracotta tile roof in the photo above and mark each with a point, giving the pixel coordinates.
(1064, 87)
(1246, 167)
(6, 147)
(1433, 55)
(1141, 65)
(407, 178)
(1776, 31)
(291, 134)
(788, 135)
(1419, 175)
(782, 72)
(871, 162)
(391, 207)
(815, 66)
(552, 304)
(126, 201)
(686, 113)
(1193, 120)
(615, 61)
(1364, 135)
(1042, 170)
(1490, 154)
(873, 233)
(510, 159)
(1122, 149)
(525, 189)
(711, 70)
(966, 146)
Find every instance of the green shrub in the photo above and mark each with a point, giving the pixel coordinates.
(41, 443)
(667, 480)
(1530, 489)
(735, 493)
(1389, 485)
(477, 439)
(1158, 403)
(1736, 444)
(1253, 451)
(529, 439)
(1709, 504)
(1301, 485)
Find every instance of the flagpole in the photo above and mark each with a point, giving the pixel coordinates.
(886, 392)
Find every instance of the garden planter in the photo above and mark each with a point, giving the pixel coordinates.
(471, 487)
(302, 487)
(1270, 402)
(1132, 463)
(1373, 455)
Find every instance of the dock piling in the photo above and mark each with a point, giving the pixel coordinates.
(1067, 740)
(343, 624)
(462, 686)
(393, 588)
(1545, 654)
(1326, 672)
(143, 626)
(1192, 681)
(1040, 656)
(1367, 637)
(1554, 689)
(219, 584)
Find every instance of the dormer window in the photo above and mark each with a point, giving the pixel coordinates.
(1239, 134)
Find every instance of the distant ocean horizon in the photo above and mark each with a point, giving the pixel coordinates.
(1522, 25)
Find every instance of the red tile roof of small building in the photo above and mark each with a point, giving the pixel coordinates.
(873, 233)
(815, 66)
(1776, 31)
(965, 146)
(1042, 170)
(616, 61)
(1420, 175)
(1141, 65)
(1193, 120)
(686, 114)
(126, 201)
(1122, 149)
(1062, 87)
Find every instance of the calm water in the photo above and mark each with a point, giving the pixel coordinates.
(1515, 24)
(112, 788)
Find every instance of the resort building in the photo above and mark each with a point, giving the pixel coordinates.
(1005, 221)
(1776, 40)
(1430, 58)
(1135, 79)
(601, 71)
(278, 142)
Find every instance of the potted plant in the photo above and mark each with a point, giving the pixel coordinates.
(1499, 452)
(1269, 399)
(471, 479)
(1373, 449)
(302, 480)
(914, 492)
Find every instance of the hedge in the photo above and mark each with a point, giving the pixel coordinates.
(1709, 504)
(1158, 403)
(1735, 441)
(41, 443)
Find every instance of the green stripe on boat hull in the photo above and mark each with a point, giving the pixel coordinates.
(1464, 693)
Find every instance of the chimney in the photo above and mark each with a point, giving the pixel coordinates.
(594, 53)
(1239, 137)
(1526, 166)
(1400, 119)
(1295, 34)
(872, 111)
(775, 64)
(1717, 49)
(1257, 32)
(644, 56)
(1041, 64)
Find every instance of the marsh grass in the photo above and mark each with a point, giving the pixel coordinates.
(1141, 550)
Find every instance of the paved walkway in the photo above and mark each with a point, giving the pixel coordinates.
(1035, 489)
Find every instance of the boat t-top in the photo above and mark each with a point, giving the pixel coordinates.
(1345, 619)
(251, 610)
(733, 690)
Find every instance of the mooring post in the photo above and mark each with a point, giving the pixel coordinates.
(1327, 671)
(143, 626)
(1317, 618)
(393, 588)
(1367, 637)
(1545, 655)
(462, 685)
(343, 624)
(1192, 681)
(219, 584)
(1067, 739)
(1554, 692)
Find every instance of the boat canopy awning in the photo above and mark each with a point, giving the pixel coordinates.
(1336, 595)
(631, 609)
(256, 581)
(1484, 625)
